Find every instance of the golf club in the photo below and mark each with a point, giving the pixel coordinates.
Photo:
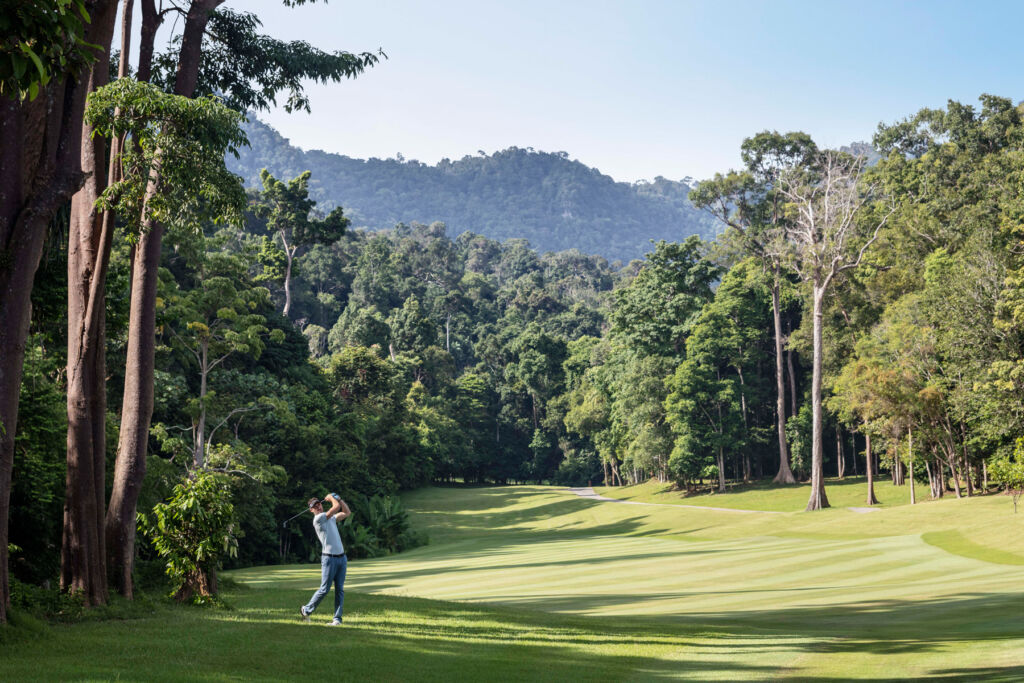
(285, 523)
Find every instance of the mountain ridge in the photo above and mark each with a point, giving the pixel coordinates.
(554, 202)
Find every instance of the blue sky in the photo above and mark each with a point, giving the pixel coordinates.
(642, 88)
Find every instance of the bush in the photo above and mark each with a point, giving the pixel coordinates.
(45, 602)
(193, 531)
(379, 526)
(1009, 471)
(579, 468)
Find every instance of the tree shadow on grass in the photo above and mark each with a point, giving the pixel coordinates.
(381, 579)
(714, 645)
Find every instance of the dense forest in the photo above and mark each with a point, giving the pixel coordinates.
(192, 358)
(546, 198)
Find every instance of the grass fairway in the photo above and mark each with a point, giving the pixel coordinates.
(533, 583)
(765, 496)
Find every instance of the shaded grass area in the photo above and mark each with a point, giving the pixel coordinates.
(402, 638)
(766, 496)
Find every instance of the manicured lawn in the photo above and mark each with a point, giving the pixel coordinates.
(763, 495)
(533, 583)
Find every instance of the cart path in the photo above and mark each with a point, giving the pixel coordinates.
(588, 492)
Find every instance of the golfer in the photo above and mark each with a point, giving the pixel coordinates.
(333, 563)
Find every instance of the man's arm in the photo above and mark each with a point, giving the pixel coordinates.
(339, 508)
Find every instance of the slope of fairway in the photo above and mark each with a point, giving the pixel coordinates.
(830, 594)
(535, 583)
(763, 495)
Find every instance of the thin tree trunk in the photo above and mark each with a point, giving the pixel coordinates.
(853, 444)
(840, 459)
(910, 463)
(199, 450)
(785, 473)
(968, 476)
(792, 380)
(746, 426)
(137, 407)
(818, 499)
(290, 255)
(721, 470)
(871, 477)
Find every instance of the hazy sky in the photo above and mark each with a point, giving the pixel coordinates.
(639, 88)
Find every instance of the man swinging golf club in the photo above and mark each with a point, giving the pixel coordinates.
(333, 563)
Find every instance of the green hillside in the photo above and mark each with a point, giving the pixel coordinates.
(554, 202)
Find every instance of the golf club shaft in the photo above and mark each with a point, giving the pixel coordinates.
(285, 523)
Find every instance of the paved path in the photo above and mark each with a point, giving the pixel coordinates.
(588, 492)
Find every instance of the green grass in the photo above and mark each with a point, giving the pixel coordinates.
(765, 496)
(533, 583)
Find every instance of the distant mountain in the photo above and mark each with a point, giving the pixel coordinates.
(554, 202)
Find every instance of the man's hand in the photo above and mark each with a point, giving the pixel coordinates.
(339, 510)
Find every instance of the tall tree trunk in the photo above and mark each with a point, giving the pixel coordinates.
(40, 169)
(785, 473)
(910, 464)
(289, 255)
(137, 407)
(853, 445)
(199, 447)
(968, 472)
(840, 459)
(870, 470)
(83, 557)
(792, 380)
(721, 470)
(746, 425)
(818, 499)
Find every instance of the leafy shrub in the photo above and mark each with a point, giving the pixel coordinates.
(193, 531)
(46, 602)
(379, 526)
(1009, 471)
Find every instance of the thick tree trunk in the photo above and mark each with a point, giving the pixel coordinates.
(151, 20)
(40, 168)
(870, 469)
(818, 499)
(137, 407)
(83, 556)
(136, 410)
(785, 473)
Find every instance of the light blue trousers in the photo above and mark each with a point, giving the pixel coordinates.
(332, 570)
